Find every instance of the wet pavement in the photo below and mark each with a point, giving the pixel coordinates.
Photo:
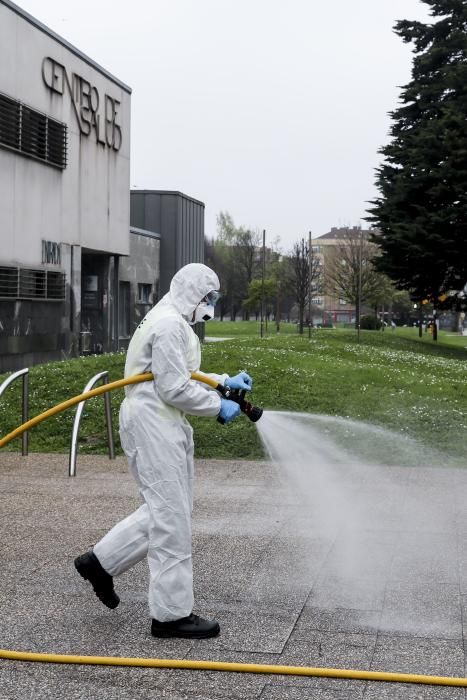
(390, 597)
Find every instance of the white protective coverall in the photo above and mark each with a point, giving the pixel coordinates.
(158, 441)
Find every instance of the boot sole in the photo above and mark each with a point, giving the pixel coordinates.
(185, 635)
(81, 569)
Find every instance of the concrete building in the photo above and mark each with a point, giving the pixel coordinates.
(76, 274)
(335, 309)
(64, 182)
(166, 232)
(178, 219)
(139, 282)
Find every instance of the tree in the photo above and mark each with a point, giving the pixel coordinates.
(421, 213)
(305, 270)
(402, 307)
(383, 296)
(238, 248)
(217, 257)
(349, 271)
(279, 270)
(255, 295)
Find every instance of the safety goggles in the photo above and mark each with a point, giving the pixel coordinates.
(212, 298)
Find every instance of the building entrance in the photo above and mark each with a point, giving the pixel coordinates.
(94, 335)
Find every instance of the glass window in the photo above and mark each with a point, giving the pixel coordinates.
(144, 293)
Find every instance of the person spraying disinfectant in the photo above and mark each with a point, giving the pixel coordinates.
(158, 442)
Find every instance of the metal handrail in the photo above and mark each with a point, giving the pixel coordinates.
(76, 423)
(25, 402)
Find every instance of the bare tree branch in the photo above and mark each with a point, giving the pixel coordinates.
(302, 262)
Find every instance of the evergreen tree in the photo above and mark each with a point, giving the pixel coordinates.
(421, 213)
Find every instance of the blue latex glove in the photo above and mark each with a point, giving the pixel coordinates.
(240, 381)
(229, 410)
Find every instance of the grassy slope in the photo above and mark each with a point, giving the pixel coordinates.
(412, 387)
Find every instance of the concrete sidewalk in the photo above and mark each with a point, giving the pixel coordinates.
(279, 591)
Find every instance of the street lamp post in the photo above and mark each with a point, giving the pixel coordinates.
(309, 284)
(263, 268)
(359, 294)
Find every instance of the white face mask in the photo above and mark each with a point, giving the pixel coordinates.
(203, 312)
(205, 309)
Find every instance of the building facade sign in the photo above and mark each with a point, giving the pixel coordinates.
(51, 253)
(95, 113)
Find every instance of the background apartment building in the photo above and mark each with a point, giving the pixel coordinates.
(326, 305)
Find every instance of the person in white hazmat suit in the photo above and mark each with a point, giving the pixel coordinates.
(157, 440)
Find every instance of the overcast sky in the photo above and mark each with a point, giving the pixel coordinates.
(272, 110)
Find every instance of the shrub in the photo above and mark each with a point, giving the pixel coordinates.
(369, 323)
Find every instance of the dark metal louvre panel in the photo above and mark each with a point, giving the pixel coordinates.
(32, 284)
(8, 281)
(9, 121)
(56, 143)
(33, 132)
(21, 283)
(55, 285)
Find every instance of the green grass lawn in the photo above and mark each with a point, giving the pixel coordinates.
(392, 380)
(444, 337)
(227, 329)
(220, 329)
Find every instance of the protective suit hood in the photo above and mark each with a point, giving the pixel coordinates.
(190, 285)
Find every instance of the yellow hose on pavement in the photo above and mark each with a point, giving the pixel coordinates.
(136, 379)
(234, 668)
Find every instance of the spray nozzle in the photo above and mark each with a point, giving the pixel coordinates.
(254, 413)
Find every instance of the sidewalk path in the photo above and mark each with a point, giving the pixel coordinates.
(279, 591)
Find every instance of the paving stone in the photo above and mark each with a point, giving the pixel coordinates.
(354, 593)
(405, 691)
(55, 682)
(329, 650)
(422, 609)
(254, 631)
(434, 657)
(338, 620)
(217, 684)
(359, 554)
(418, 561)
(291, 692)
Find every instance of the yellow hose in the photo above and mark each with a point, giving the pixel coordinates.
(234, 668)
(136, 379)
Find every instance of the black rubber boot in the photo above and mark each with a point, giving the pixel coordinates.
(191, 627)
(89, 567)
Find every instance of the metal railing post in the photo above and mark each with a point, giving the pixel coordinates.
(25, 413)
(76, 423)
(24, 373)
